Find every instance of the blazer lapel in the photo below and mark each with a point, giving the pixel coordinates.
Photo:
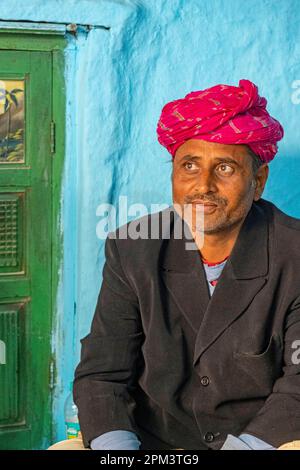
(243, 276)
(182, 271)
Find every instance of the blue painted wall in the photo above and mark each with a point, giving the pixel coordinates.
(117, 81)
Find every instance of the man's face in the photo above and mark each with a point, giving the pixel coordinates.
(218, 174)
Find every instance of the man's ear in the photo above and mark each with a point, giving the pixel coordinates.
(260, 180)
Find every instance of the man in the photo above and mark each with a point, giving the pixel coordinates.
(197, 348)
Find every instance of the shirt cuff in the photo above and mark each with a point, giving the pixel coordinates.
(234, 443)
(116, 440)
(255, 443)
(245, 442)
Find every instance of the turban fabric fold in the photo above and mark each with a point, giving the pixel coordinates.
(223, 114)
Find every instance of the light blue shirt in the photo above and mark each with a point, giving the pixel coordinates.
(127, 440)
(116, 440)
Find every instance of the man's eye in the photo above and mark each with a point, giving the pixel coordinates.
(188, 165)
(225, 169)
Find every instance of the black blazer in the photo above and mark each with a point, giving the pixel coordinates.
(181, 369)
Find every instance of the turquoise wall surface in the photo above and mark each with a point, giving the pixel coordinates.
(137, 56)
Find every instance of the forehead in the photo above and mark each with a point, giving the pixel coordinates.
(203, 149)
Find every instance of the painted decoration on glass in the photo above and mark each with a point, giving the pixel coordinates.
(11, 121)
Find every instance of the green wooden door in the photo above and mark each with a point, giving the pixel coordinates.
(25, 248)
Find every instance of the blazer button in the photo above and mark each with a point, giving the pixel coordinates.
(204, 381)
(209, 437)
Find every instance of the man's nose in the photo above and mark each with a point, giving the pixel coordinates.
(206, 181)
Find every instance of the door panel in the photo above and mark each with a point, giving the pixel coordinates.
(25, 248)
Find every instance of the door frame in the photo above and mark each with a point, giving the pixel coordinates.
(55, 41)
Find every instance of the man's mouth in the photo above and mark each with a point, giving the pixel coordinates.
(198, 201)
(207, 207)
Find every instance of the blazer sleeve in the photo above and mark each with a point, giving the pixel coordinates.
(278, 421)
(108, 367)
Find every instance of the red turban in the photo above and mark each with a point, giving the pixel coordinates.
(223, 114)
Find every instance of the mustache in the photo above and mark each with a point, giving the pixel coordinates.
(189, 199)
